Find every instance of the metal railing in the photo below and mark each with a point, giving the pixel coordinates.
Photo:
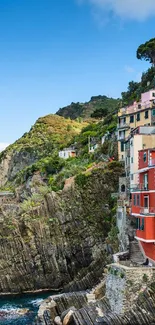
(149, 210)
(123, 125)
(139, 187)
(121, 138)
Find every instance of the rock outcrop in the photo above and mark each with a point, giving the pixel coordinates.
(98, 312)
(59, 243)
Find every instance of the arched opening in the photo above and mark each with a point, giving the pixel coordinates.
(123, 188)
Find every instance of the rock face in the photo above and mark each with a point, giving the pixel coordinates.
(14, 162)
(124, 283)
(142, 311)
(59, 243)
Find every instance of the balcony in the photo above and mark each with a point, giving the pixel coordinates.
(123, 126)
(121, 137)
(146, 211)
(127, 153)
(139, 187)
(151, 162)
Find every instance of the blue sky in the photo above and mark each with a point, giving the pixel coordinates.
(53, 52)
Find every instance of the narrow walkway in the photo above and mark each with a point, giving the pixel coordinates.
(136, 255)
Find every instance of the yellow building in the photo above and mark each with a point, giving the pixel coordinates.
(138, 114)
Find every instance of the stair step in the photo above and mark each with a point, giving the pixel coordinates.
(136, 255)
(90, 297)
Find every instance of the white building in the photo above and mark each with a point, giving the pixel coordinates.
(67, 153)
(93, 147)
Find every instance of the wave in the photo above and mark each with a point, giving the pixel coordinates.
(36, 302)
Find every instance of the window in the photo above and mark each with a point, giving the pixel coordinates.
(144, 157)
(122, 157)
(134, 200)
(131, 160)
(138, 116)
(138, 223)
(131, 177)
(146, 114)
(123, 188)
(145, 180)
(153, 94)
(138, 200)
(153, 112)
(131, 118)
(142, 224)
(122, 146)
(146, 202)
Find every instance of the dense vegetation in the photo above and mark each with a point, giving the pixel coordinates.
(135, 89)
(97, 107)
(49, 133)
(146, 51)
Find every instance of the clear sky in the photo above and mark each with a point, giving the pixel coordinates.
(53, 52)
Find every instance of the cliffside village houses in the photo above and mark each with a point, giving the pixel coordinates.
(136, 148)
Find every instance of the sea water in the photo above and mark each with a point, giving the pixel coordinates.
(11, 306)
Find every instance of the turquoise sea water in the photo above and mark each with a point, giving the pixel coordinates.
(9, 306)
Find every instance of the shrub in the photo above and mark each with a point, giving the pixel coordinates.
(122, 275)
(81, 180)
(145, 277)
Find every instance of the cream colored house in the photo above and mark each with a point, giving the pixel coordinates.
(138, 114)
(142, 137)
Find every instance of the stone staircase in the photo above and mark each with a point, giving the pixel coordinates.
(90, 297)
(136, 255)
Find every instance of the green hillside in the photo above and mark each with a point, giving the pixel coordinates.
(98, 106)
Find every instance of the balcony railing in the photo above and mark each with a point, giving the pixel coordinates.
(139, 187)
(123, 126)
(149, 210)
(121, 138)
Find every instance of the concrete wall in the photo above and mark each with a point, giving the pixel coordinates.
(123, 285)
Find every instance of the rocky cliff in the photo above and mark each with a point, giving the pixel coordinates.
(48, 134)
(48, 243)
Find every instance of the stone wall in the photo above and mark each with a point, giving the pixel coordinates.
(122, 187)
(123, 285)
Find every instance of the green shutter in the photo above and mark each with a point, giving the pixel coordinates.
(142, 226)
(137, 223)
(122, 146)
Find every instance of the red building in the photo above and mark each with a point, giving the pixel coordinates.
(143, 203)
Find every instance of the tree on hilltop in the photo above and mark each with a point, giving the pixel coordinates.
(146, 51)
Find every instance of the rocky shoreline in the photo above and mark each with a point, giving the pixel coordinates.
(82, 308)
